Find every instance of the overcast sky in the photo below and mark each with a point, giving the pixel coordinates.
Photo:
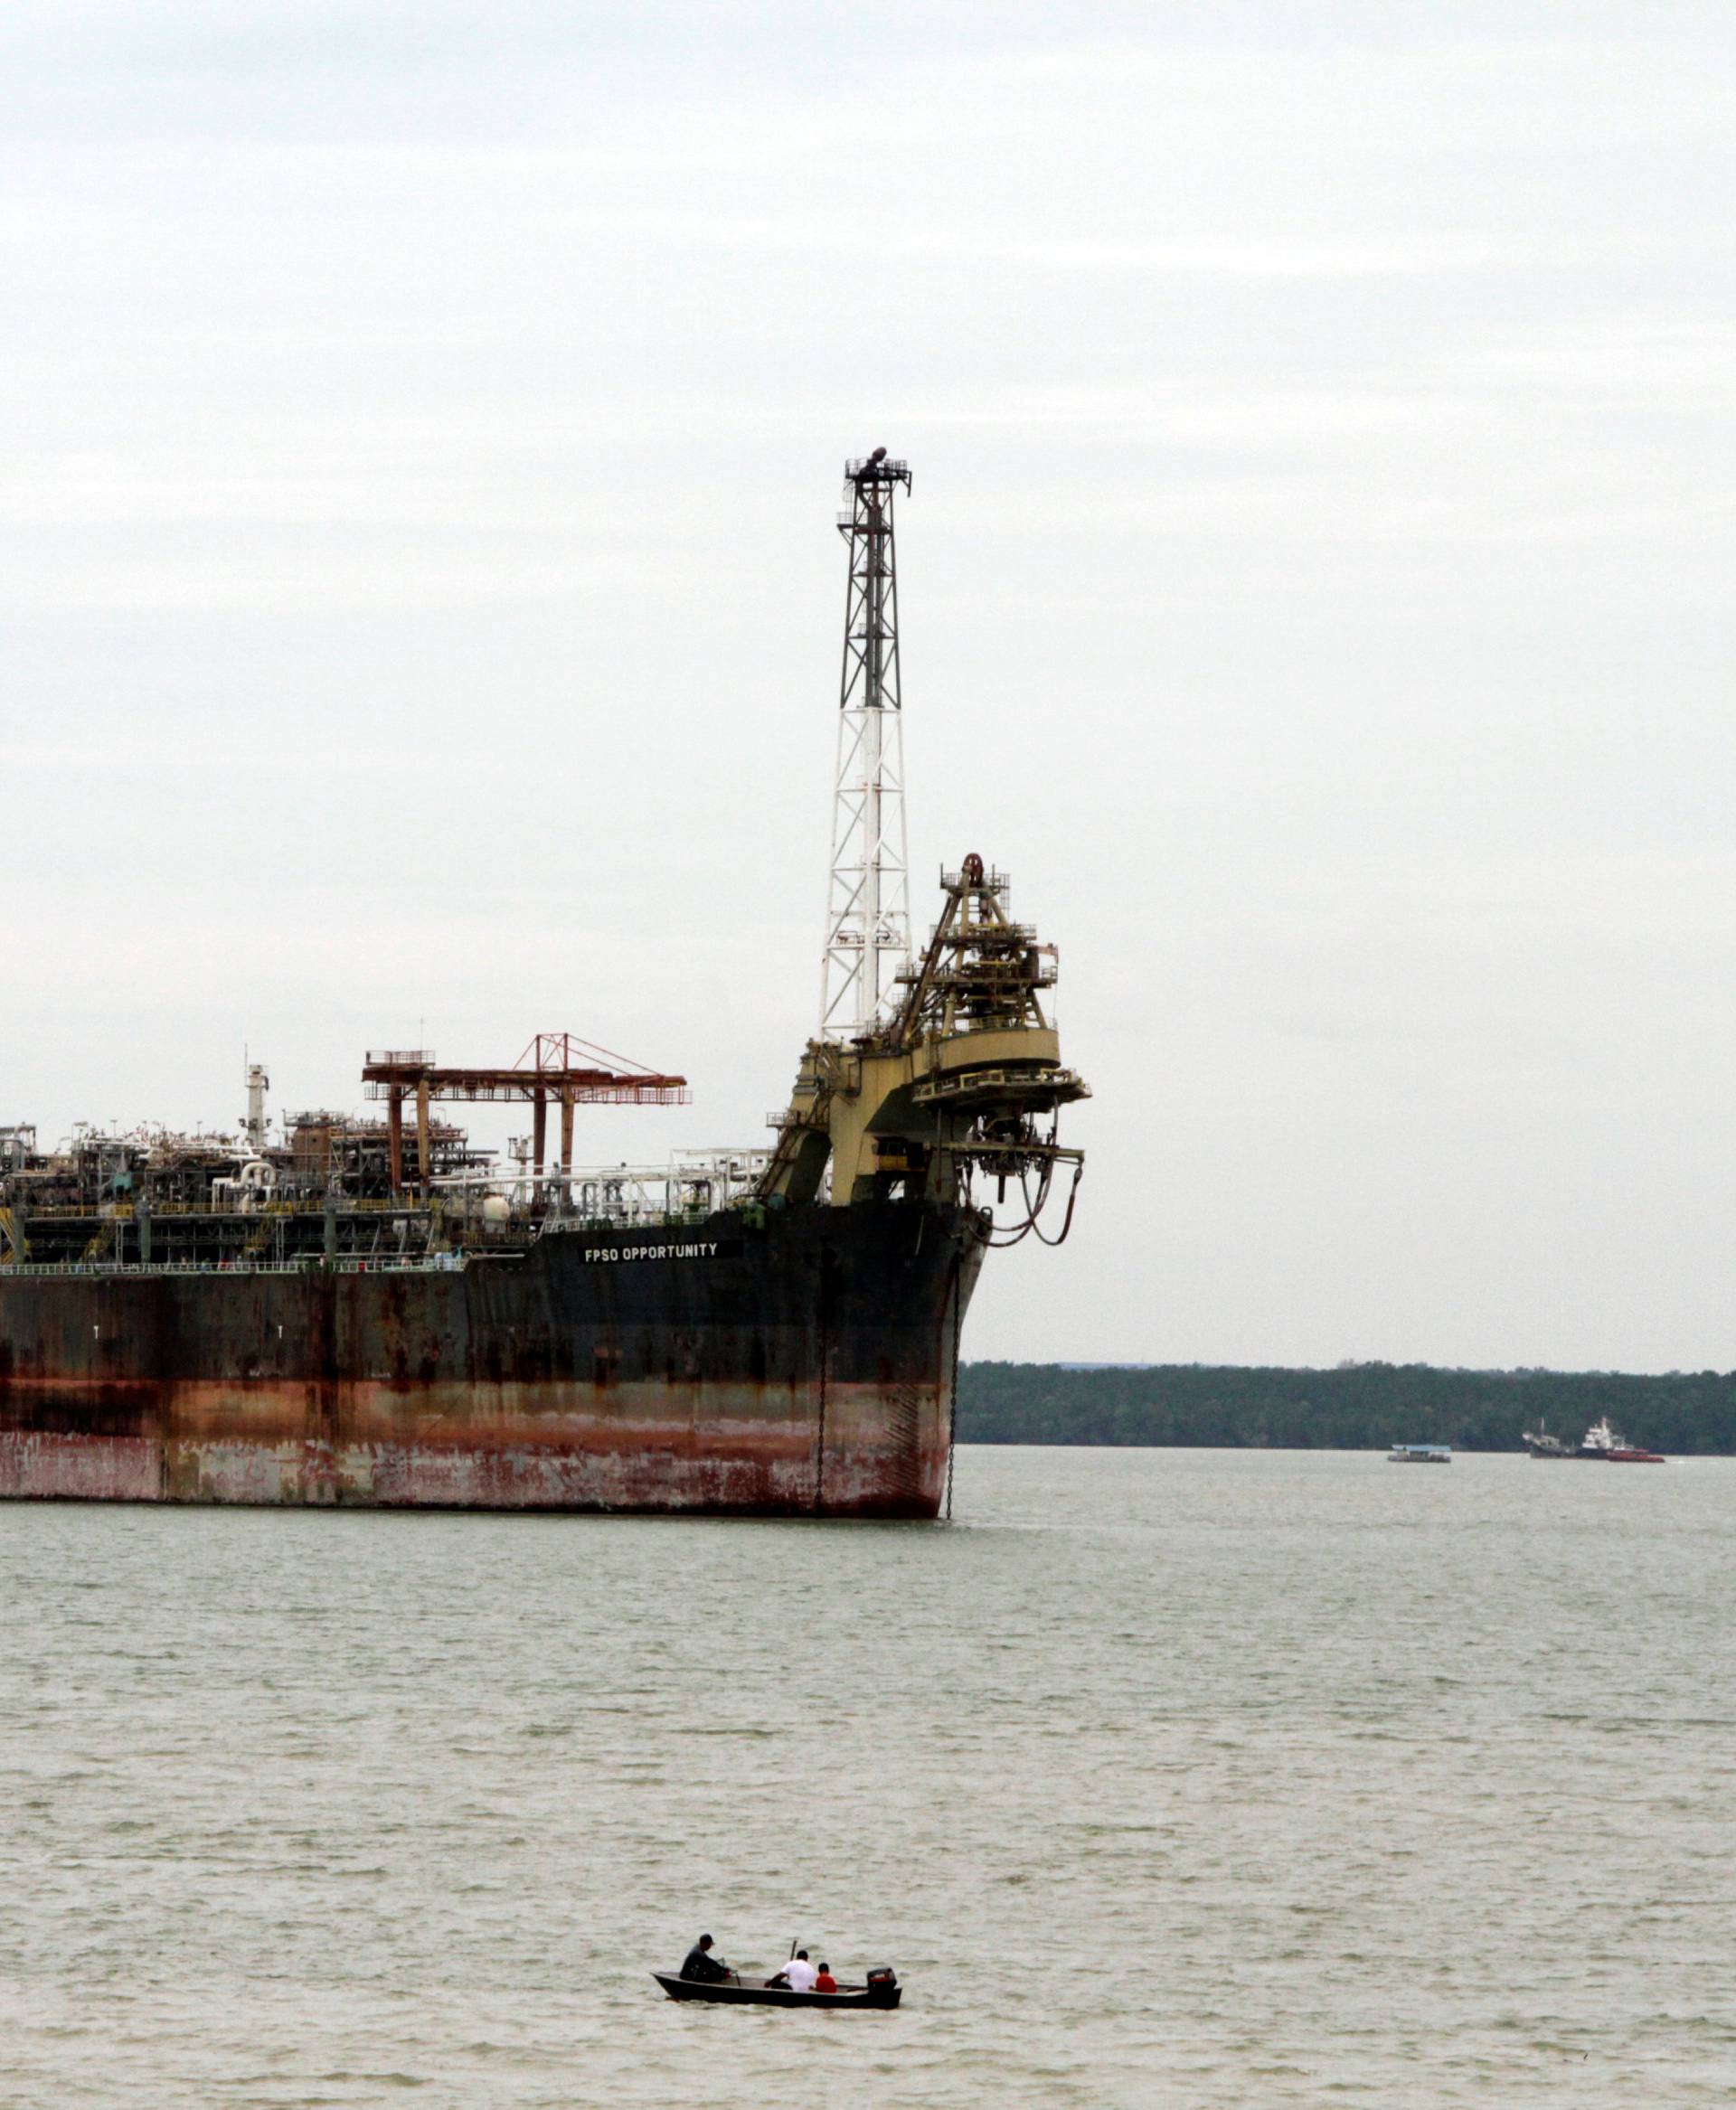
(422, 432)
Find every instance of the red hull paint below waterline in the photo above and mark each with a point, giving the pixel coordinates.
(801, 1368)
(661, 1459)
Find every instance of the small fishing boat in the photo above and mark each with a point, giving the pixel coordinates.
(882, 1990)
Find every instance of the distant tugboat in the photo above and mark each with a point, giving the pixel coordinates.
(1600, 1441)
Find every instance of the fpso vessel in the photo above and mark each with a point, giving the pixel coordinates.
(355, 1312)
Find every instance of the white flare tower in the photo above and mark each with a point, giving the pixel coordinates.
(868, 909)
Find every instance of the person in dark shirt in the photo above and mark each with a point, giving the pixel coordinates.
(699, 1962)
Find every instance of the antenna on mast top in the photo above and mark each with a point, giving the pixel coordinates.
(868, 907)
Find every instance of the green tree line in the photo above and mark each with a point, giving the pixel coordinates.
(1356, 1407)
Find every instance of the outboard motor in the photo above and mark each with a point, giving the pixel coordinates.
(882, 1985)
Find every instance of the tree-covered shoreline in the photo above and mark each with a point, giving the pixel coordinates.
(1356, 1407)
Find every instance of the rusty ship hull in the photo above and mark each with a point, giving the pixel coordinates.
(339, 1311)
(803, 1364)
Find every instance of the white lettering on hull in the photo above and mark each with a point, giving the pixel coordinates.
(695, 1249)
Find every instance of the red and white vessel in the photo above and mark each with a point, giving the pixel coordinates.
(1601, 1441)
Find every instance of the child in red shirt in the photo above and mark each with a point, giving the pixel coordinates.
(826, 1982)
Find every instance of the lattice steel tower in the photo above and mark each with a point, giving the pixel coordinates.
(868, 910)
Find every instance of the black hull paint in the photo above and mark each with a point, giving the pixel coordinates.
(800, 1366)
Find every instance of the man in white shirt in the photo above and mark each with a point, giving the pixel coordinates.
(799, 1973)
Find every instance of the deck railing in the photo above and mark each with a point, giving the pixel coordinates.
(311, 1264)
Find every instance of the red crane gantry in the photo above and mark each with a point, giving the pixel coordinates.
(555, 1066)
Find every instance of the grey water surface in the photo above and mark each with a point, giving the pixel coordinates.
(1168, 1777)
